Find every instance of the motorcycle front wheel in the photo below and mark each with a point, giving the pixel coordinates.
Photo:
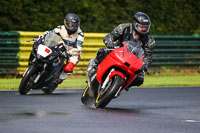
(105, 95)
(50, 90)
(27, 80)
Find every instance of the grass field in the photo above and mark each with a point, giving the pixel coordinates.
(150, 81)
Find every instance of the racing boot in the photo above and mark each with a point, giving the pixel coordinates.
(137, 81)
(92, 67)
(67, 70)
(92, 71)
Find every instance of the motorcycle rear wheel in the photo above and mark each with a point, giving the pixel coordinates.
(86, 99)
(27, 80)
(105, 96)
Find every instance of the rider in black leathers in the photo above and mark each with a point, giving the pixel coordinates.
(137, 31)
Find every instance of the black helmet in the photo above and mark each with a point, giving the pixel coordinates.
(141, 22)
(72, 22)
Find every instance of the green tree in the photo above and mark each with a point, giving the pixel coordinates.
(167, 16)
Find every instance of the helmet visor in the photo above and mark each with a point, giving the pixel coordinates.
(71, 24)
(142, 28)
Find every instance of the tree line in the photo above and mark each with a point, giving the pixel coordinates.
(169, 17)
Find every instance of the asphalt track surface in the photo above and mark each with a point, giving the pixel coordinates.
(140, 110)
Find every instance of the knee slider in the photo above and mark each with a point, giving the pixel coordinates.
(138, 81)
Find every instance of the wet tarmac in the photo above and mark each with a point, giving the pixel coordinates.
(140, 110)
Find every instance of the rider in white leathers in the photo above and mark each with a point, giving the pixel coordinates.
(73, 38)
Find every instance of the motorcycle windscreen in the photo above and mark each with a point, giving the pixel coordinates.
(134, 48)
(52, 39)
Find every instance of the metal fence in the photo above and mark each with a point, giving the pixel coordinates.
(172, 51)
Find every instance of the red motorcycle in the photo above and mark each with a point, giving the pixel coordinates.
(114, 74)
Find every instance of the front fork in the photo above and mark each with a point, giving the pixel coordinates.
(41, 73)
(107, 79)
(110, 75)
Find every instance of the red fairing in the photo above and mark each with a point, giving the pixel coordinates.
(69, 67)
(120, 58)
(116, 73)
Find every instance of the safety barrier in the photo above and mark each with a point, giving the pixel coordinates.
(177, 51)
(170, 51)
(9, 47)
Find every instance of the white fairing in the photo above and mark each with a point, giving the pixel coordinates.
(107, 79)
(42, 50)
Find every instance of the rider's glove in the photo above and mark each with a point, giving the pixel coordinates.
(110, 45)
(143, 69)
(43, 34)
(40, 38)
(65, 54)
(70, 52)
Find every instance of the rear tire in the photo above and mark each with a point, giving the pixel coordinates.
(103, 98)
(27, 81)
(86, 99)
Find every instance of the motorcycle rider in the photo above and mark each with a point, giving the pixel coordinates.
(137, 31)
(73, 38)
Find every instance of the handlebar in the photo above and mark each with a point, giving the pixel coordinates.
(111, 49)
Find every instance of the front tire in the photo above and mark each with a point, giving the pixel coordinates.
(27, 81)
(105, 96)
(50, 90)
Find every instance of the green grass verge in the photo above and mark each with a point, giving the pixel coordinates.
(179, 80)
(150, 81)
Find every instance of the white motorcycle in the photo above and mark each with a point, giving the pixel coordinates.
(46, 63)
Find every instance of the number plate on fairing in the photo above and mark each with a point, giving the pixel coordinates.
(44, 51)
